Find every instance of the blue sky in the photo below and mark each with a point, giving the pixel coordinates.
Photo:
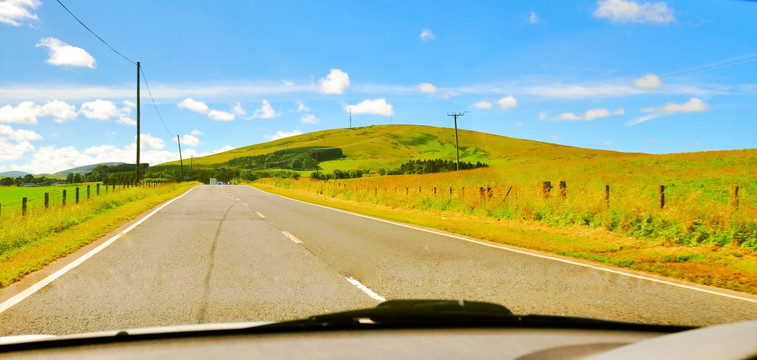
(625, 75)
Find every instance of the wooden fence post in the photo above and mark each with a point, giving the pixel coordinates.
(481, 192)
(546, 187)
(47, 200)
(434, 190)
(607, 195)
(87, 192)
(97, 189)
(406, 190)
(77, 194)
(563, 189)
(64, 197)
(735, 198)
(23, 207)
(419, 189)
(450, 191)
(662, 196)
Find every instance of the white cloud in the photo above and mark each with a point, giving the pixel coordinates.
(13, 11)
(426, 35)
(24, 113)
(427, 88)
(265, 111)
(220, 115)
(196, 132)
(588, 115)
(99, 109)
(50, 159)
(62, 54)
(507, 102)
(692, 106)
(335, 83)
(533, 18)
(190, 140)
(629, 11)
(483, 105)
(301, 107)
(375, 106)
(649, 81)
(59, 110)
(238, 110)
(283, 134)
(14, 151)
(125, 120)
(194, 105)
(553, 137)
(149, 141)
(309, 119)
(19, 135)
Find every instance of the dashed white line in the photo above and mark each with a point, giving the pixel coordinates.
(715, 291)
(365, 289)
(260, 215)
(292, 237)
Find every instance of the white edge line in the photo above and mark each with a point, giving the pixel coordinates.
(260, 215)
(365, 289)
(7, 304)
(292, 237)
(479, 242)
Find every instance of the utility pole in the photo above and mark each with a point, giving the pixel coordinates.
(181, 162)
(136, 178)
(457, 145)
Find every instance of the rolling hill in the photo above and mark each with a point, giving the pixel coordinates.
(388, 146)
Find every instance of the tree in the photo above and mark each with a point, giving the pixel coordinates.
(77, 178)
(70, 178)
(6, 181)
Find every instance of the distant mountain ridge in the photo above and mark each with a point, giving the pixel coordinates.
(13, 174)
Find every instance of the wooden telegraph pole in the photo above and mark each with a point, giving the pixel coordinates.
(136, 178)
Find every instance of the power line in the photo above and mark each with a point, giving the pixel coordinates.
(155, 105)
(97, 36)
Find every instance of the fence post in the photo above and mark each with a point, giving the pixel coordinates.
(563, 189)
(434, 190)
(546, 187)
(87, 192)
(23, 207)
(77, 194)
(662, 196)
(64, 197)
(406, 190)
(450, 191)
(47, 200)
(735, 197)
(481, 192)
(419, 189)
(462, 191)
(489, 192)
(607, 195)
(375, 191)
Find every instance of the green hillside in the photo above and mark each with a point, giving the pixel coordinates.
(388, 146)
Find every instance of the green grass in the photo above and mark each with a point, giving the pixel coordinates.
(31, 242)
(11, 196)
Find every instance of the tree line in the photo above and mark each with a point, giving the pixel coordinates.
(431, 166)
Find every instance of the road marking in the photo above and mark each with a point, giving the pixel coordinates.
(365, 289)
(260, 215)
(50, 278)
(543, 256)
(292, 237)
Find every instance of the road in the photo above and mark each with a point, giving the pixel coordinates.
(235, 253)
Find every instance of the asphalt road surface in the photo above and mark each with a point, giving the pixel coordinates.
(235, 253)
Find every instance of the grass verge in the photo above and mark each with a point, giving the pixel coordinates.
(730, 266)
(30, 243)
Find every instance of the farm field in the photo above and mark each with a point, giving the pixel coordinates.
(10, 196)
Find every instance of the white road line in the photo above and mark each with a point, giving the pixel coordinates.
(292, 237)
(260, 215)
(50, 278)
(543, 256)
(365, 289)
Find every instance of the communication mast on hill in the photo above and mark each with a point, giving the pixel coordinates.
(457, 145)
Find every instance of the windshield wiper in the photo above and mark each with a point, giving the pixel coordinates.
(452, 313)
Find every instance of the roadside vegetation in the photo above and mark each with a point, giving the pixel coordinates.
(704, 233)
(28, 243)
